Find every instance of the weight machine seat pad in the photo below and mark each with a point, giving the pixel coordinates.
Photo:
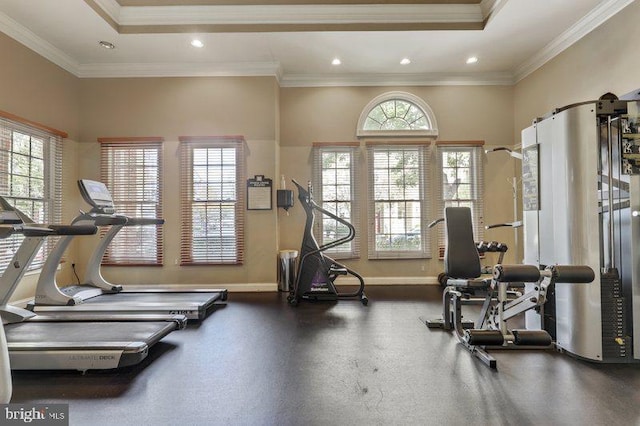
(461, 259)
(573, 274)
(514, 273)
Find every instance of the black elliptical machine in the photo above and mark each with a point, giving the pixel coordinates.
(316, 273)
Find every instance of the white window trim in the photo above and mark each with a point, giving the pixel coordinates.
(108, 148)
(477, 182)
(355, 201)
(424, 199)
(52, 176)
(432, 132)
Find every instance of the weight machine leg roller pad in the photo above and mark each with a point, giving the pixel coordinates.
(515, 273)
(573, 274)
(531, 338)
(477, 337)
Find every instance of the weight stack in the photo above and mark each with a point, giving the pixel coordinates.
(615, 343)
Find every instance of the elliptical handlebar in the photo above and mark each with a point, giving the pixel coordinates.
(517, 224)
(435, 222)
(306, 199)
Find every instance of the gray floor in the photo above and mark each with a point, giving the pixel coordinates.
(258, 361)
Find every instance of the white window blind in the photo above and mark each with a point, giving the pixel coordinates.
(132, 170)
(461, 183)
(31, 180)
(334, 178)
(212, 175)
(398, 200)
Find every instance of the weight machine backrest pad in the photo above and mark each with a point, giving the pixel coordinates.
(461, 259)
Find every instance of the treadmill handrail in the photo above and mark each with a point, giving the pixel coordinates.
(101, 219)
(142, 221)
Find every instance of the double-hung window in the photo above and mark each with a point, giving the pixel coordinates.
(212, 175)
(398, 174)
(30, 179)
(462, 182)
(334, 178)
(398, 197)
(132, 170)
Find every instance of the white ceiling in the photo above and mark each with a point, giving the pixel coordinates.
(518, 37)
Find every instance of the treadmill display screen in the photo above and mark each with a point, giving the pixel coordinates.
(95, 193)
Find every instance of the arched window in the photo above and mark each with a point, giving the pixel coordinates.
(397, 114)
(398, 172)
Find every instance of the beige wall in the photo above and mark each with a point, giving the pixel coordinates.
(35, 89)
(173, 107)
(280, 124)
(331, 115)
(603, 61)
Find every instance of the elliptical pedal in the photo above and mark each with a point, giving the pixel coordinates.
(338, 271)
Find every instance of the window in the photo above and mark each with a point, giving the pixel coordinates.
(132, 170)
(398, 185)
(334, 174)
(212, 201)
(462, 182)
(31, 180)
(398, 174)
(397, 114)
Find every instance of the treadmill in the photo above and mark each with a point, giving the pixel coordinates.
(98, 295)
(5, 369)
(54, 342)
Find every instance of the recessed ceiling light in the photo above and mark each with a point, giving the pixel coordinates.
(405, 61)
(336, 61)
(107, 45)
(472, 59)
(197, 43)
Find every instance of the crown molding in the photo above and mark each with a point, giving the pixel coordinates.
(42, 47)
(297, 14)
(423, 79)
(240, 69)
(599, 15)
(111, 7)
(595, 18)
(490, 8)
(127, 18)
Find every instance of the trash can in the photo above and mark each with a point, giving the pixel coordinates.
(287, 269)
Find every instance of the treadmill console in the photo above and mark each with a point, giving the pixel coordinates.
(9, 214)
(97, 195)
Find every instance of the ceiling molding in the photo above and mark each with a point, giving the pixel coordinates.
(584, 26)
(42, 47)
(490, 8)
(269, 17)
(142, 3)
(113, 70)
(422, 79)
(240, 69)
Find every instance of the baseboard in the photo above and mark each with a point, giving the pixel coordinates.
(250, 287)
(267, 287)
(349, 281)
(390, 280)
